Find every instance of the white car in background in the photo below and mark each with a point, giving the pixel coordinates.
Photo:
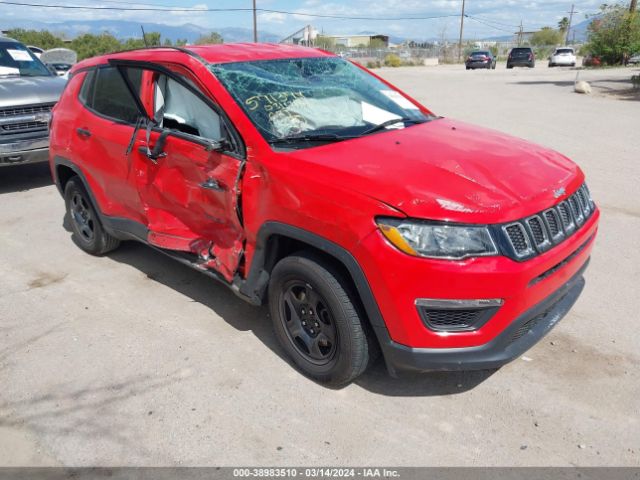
(563, 57)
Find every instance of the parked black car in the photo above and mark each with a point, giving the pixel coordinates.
(521, 57)
(480, 59)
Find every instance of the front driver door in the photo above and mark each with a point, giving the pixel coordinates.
(189, 190)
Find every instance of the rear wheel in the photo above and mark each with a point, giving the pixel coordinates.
(88, 232)
(316, 321)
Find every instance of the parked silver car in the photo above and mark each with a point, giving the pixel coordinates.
(28, 92)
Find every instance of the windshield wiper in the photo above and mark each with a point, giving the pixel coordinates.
(393, 121)
(309, 137)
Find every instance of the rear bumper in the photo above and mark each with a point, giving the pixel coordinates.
(563, 61)
(24, 151)
(520, 63)
(524, 332)
(479, 64)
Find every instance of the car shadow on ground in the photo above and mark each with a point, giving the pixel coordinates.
(244, 317)
(20, 178)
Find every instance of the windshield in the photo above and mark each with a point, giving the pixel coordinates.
(16, 59)
(325, 98)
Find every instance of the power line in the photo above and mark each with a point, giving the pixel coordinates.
(207, 9)
(489, 25)
(496, 22)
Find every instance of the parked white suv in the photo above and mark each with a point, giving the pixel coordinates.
(563, 56)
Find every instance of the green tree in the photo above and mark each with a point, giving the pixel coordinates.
(132, 44)
(181, 42)
(615, 34)
(89, 45)
(546, 36)
(38, 38)
(563, 25)
(212, 38)
(154, 39)
(167, 42)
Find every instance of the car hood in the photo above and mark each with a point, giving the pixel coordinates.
(448, 170)
(16, 91)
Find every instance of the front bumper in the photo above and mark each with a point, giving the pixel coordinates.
(24, 151)
(517, 338)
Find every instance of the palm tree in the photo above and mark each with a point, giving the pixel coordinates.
(563, 24)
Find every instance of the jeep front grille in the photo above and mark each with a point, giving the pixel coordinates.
(540, 232)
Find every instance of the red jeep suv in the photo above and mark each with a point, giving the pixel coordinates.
(300, 179)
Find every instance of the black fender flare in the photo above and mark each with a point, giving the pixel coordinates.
(255, 284)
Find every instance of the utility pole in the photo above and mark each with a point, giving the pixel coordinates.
(520, 32)
(566, 37)
(461, 29)
(255, 23)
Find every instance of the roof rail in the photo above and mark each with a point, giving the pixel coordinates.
(173, 47)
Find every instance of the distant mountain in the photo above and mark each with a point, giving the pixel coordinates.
(123, 29)
(581, 30)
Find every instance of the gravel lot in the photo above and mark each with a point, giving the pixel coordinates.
(133, 359)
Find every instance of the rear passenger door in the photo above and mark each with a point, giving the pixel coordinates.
(189, 190)
(102, 131)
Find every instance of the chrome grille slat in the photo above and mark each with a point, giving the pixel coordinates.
(554, 224)
(538, 233)
(576, 209)
(15, 111)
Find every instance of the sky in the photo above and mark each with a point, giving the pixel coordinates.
(491, 17)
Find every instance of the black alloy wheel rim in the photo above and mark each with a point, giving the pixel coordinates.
(82, 217)
(308, 322)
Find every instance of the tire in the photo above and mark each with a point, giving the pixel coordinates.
(509, 66)
(88, 232)
(316, 321)
(550, 65)
(468, 68)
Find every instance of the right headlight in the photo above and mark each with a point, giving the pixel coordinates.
(438, 240)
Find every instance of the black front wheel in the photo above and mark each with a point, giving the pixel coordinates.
(88, 232)
(317, 322)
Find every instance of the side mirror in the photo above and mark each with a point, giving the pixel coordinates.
(216, 146)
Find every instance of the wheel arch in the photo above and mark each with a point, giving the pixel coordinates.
(277, 240)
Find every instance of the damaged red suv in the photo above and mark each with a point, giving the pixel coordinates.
(300, 179)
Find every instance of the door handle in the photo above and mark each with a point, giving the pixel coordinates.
(83, 132)
(212, 184)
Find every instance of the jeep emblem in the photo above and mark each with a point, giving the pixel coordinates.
(559, 192)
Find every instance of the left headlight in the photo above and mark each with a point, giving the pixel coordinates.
(438, 240)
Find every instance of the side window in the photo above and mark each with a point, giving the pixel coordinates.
(110, 96)
(182, 110)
